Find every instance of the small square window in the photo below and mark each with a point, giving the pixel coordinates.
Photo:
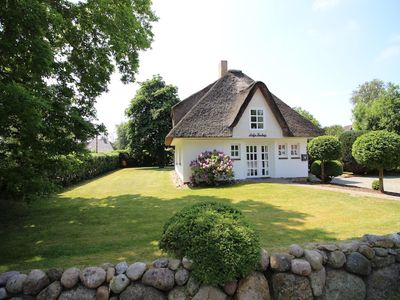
(282, 152)
(235, 151)
(295, 150)
(256, 119)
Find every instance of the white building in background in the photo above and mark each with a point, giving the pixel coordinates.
(242, 118)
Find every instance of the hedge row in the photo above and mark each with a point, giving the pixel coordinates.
(72, 169)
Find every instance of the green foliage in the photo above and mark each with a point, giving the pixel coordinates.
(149, 115)
(308, 116)
(122, 141)
(324, 148)
(211, 168)
(335, 130)
(377, 106)
(216, 237)
(72, 169)
(333, 168)
(347, 140)
(375, 185)
(378, 150)
(56, 57)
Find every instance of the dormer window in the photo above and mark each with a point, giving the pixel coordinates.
(256, 119)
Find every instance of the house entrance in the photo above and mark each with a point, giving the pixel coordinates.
(257, 161)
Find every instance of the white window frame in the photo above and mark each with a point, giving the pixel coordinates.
(280, 155)
(297, 155)
(235, 150)
(257, 116)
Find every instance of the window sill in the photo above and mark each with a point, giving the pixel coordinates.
(295, 157)
(282, 158)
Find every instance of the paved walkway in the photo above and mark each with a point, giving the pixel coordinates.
(391, 183)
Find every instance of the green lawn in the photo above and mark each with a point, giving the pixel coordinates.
(120, 216)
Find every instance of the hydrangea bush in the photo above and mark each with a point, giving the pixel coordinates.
(211, 168)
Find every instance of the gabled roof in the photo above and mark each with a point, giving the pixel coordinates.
(215, 110)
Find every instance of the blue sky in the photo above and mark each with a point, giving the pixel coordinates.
(311, 54)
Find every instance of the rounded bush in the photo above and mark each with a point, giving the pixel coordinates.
(375, 185)
(378, 150)
(347, 140)
(333, 168)
(211, 168)
(324, 148)
(222, 245)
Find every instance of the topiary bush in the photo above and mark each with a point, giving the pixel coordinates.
(333, 168)
(375, 185)
(222, 245)
(211, 168)
(379, 150)
(347, 140)
(324, 148)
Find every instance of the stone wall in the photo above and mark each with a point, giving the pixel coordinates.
(359, 269)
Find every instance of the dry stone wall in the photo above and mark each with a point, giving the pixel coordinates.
(359, 269)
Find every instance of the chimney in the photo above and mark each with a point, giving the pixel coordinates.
(223, 67)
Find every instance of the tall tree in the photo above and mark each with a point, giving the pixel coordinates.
(150, 120)
(308, 116)
(335, 130)
(56, 57)
(377, 106)
(122, 140)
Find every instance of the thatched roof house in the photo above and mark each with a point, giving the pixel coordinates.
(236, 109)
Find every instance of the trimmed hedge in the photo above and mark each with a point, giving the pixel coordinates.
(347, 140)
(222, 245)
(72, 169)
(333, 168)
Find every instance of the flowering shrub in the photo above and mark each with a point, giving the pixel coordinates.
(211, 168)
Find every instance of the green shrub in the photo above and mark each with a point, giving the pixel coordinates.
(347, 140)
(333, 168)
(72, 169)
(375, 185)
(222, 245)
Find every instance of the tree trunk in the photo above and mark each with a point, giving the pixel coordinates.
(381, 180)
(322, 171)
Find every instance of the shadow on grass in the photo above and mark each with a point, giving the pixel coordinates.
(65, 231)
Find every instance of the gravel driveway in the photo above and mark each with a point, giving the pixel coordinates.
(390, 183)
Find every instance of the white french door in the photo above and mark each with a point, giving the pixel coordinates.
(257, 161)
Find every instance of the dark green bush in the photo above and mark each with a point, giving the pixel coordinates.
(222, 245)
(375, 185)
(72, 169)
(333, 168)
(347, 140)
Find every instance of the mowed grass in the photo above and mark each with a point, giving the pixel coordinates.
(120, 217)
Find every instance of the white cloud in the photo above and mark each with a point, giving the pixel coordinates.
(324, 4)
(388, 53)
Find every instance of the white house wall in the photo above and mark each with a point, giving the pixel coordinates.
(190, 148)
(272, 129)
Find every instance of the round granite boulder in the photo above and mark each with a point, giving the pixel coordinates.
(93, 277)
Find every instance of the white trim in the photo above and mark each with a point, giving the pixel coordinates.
(286, 155)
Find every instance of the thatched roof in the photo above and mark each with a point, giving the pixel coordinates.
(215, 110)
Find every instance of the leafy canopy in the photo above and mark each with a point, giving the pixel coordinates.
(308, 116)
(56, 57)
(324, 148)
(377, 106)
(347, 140)
(378, 150)
(122, 140)
(149, 115)
(335, 130)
